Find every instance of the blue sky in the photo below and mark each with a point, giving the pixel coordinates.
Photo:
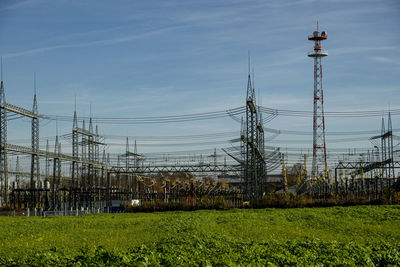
(150, 58)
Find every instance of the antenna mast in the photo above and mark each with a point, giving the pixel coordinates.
(319, 142)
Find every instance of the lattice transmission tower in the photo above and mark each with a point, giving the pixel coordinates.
(3, 143)
(252, 135)
(319, 143)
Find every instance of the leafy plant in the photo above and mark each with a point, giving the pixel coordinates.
(356, 235)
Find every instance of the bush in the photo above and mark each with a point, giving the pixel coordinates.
(270, 200)
(188, 204)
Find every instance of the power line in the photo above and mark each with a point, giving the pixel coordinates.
(233, 113)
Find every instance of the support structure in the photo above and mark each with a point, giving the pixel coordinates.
(254, 168)
(80, 182)
(3, 146)
(75, 156)
(35, 163)
(388, 137)
(319, 143)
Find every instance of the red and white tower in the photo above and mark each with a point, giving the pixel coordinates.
(319, 144)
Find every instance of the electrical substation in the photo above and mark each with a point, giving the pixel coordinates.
(75, 175)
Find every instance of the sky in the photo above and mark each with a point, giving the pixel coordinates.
(156, 58)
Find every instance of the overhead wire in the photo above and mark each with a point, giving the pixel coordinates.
(272, 113)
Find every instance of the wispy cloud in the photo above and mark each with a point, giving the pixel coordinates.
(86, 34)
(284, 101)
(362, 49)
(110, 41)
(199, 65)
(17, 4)
(386, 60)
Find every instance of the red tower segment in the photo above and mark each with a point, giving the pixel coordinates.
(319, 144)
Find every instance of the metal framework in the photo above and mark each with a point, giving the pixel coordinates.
(3, 146)
(92, 183)
(193, 168)
(319, 143)
(252, 136)
(35, 165)
(372, 178)
(82, 181)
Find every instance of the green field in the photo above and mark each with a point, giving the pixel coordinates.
(361, 235)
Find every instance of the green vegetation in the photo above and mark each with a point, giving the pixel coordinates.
(271, 200)
(360, 235)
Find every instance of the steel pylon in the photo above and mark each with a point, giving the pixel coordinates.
(319, 141)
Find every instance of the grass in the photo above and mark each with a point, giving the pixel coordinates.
(186, 238)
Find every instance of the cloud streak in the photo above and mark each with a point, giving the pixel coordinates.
(110, 41)
(19, 4)
(385, 60)
(362, 49)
